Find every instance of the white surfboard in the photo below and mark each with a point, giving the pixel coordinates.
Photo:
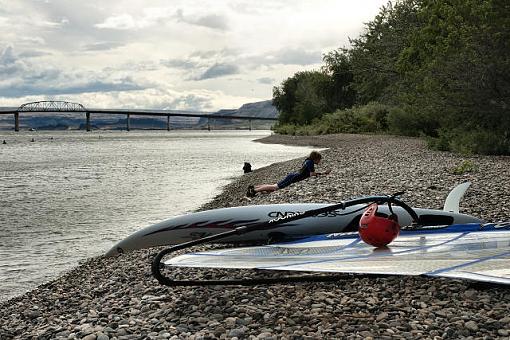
(206, 223)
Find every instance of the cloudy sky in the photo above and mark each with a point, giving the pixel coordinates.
(189, 55)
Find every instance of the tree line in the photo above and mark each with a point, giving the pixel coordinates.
(433, 68)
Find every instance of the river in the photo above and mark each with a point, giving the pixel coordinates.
(67, 196)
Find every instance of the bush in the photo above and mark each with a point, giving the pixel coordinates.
(414, 124)
(441, 142)
(482, 142)
(468, 142)
(379, 118)
(285, 129)
(377, 114)
(369, 118)
(464, 167)
(372, 117)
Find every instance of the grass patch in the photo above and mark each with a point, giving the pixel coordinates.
(464, 167)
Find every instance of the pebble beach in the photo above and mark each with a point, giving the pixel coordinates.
(117, 298)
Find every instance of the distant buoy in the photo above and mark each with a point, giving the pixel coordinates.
(4, 142)
(33, 140)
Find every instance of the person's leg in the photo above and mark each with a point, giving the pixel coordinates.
(288, 180)
(266, 187)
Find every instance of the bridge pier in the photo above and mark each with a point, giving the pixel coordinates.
(87, 124)
(127, 122)
(167, 123)
(16, 121)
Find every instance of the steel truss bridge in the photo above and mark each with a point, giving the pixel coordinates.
(63, 106)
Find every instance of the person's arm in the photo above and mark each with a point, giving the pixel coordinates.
(310, 165)
(320, 173)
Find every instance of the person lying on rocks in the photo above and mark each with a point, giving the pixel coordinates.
(307, 170)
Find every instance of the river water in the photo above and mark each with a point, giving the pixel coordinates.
(67, 196)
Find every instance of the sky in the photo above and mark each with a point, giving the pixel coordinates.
(200, 55)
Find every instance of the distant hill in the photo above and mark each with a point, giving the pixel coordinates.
(76, 121)
(262, 109)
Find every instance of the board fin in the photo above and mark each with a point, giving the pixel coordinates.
(451, 203)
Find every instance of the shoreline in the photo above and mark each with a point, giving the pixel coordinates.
(106, 298)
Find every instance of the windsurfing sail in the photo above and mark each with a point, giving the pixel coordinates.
(479, 252)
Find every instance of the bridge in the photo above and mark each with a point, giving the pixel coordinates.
(63, 106)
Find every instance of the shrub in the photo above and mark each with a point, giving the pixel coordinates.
(468, 142)
(464, 167)
(414, 124)
(441, 142)
(482, 142)
(285, 129)
(368, 118)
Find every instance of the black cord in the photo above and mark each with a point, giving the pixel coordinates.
(354, 211)
(336, 277)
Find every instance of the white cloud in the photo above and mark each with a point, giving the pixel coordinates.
(125, 21)
(213, 21)
(4, 22)
(188, 53)
(101, 46)
(121, 22)
(53, 24)
(7, 56)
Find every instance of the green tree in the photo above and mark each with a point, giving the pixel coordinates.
(302, 98)
(375, 53)
(440, 68)
(458, 64)
(340, 91)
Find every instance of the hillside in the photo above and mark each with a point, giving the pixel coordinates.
(263, 109)
(259, 109)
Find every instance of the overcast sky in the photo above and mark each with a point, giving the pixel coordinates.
(188, 55)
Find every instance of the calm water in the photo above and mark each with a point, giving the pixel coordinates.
(68, 196)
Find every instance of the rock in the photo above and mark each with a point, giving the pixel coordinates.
(470, 294)
(471, 325)
(506, 320)
(381, 316)
(503, 332)
(89, 337)
(366, 335)
(265, 336)
(237, 332)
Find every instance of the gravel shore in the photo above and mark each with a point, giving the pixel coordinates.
(117, 298)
